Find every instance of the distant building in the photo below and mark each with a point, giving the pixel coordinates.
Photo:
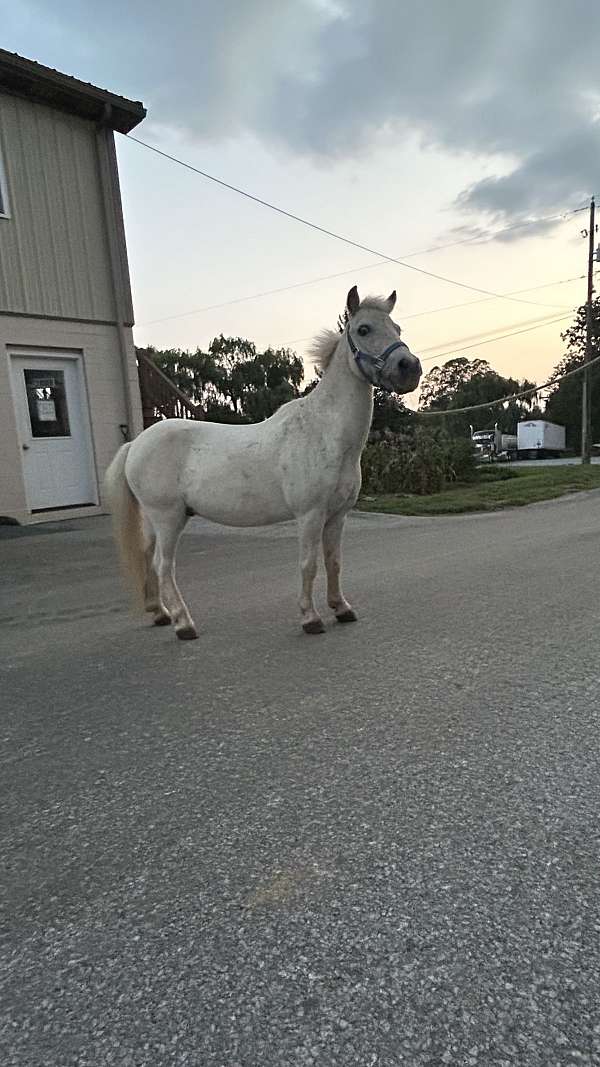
(69, 391)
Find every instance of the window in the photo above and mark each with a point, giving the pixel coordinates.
(3, 192)
(47, 402)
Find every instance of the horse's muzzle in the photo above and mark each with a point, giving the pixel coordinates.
(405, 375)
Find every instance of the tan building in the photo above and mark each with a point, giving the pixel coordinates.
(69, 392)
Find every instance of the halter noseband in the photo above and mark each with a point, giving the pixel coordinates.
(372, 367)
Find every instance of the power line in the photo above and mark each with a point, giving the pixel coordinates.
(462, 348)
(464, 304)
(371, 266)
(486, 299)
(515, 396)
(321, 229)
(485, 339)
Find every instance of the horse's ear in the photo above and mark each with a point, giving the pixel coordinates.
(353, 300)
(391, 302)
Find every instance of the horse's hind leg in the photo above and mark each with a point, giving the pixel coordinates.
(332, 551)
(168, 527)
(152, 601)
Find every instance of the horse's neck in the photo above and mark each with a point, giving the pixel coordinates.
(345, 399)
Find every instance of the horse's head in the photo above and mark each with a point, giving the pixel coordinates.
(377, 353)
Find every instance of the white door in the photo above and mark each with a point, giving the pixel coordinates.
(54, 431)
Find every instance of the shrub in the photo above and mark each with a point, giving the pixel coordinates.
(461, 460)
(422, 464)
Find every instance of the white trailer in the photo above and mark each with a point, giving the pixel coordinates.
(537, 438)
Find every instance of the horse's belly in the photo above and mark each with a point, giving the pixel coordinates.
(239, 501)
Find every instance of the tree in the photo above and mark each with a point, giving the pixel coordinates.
(463, 382)
(441, 384)
(564, 403)
(232, 381)
(195, 373)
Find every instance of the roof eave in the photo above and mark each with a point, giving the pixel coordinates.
(24, 77)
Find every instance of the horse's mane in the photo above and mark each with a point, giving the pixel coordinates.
(322, 349)
(325, 343)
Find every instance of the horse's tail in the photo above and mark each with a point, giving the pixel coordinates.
(127, 523)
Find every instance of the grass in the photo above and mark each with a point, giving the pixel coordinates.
(495, 488)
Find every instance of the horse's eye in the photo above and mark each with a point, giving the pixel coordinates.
(364, 329)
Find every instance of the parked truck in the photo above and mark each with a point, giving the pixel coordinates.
(493, 445)
(534, 439)
(538, 439)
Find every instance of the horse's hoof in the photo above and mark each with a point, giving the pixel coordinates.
(314, 627)
(162, 620)
(347, 616)
(186, 633)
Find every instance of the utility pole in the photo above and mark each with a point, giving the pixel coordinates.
(586, 398)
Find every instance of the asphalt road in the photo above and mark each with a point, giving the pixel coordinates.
(379, 846)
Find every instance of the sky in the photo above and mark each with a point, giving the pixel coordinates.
(401, 125)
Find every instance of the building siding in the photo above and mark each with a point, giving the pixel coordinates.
(54, 253)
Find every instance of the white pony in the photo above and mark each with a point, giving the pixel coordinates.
(303, 463)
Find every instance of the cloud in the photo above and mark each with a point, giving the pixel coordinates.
(562, 173)
(516, 82)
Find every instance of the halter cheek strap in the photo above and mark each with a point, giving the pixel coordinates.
(372, 367)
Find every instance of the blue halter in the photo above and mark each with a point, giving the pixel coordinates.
(372, 367)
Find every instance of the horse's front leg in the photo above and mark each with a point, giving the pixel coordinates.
(310, 532)
(332, 551)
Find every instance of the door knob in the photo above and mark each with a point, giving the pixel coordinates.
(25, 448)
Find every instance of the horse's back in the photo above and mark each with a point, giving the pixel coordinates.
(229, 474)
